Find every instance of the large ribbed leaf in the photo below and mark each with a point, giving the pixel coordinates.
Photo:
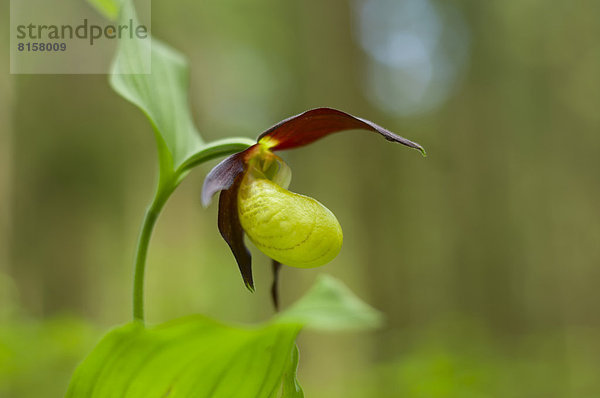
(198, 357)
(188, 357)
(162, 94)
(108, 8)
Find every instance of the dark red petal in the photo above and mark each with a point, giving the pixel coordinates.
(231, 230)
(222, 175)
(311, 125)
(276, 266)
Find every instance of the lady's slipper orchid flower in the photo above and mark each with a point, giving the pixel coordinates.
(292, 229)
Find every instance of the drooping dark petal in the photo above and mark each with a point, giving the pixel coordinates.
(276, 265)
(222, 175)
(311, 125)
(231, 230)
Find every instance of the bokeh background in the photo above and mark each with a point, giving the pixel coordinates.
(484, 256)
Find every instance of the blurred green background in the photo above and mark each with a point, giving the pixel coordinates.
(484, 256)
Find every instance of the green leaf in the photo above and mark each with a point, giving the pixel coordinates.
(162, 94)
(216, 149)
(188, 357)
(331, 306)
(198, 357)
(108, 8)
(290, 387)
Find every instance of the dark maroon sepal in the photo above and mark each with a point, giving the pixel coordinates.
(276, 267)
(314, 124)
(231, 230)
(222, 175)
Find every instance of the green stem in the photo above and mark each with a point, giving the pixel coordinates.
(168, 181)
(142, 250)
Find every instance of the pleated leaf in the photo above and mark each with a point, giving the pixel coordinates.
(199, 357)
(162, 94)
